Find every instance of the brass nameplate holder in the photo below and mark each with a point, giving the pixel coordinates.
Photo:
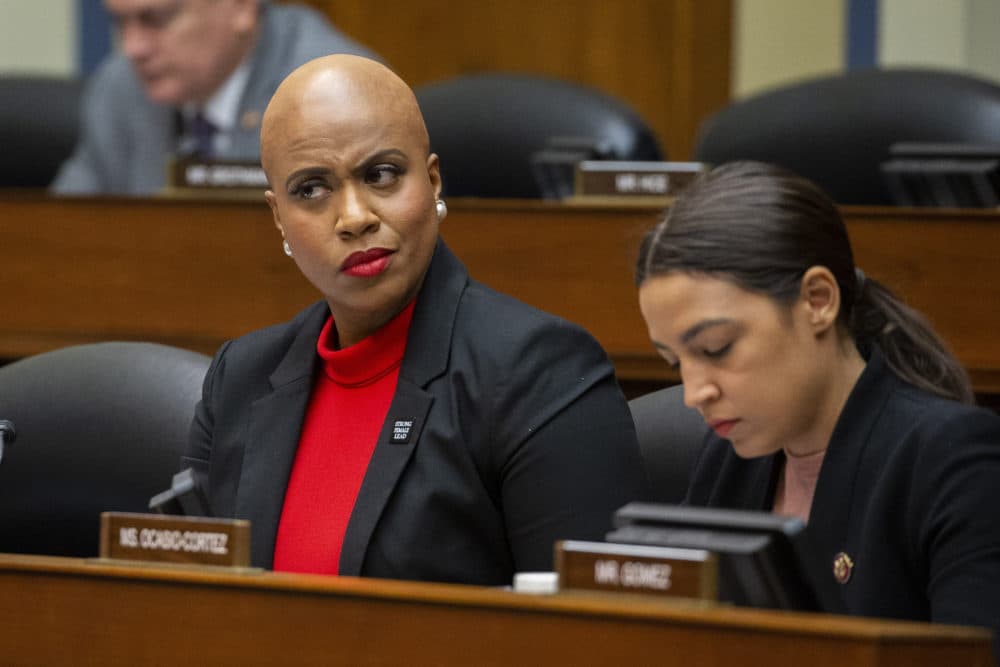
(604, 566)
(158, 538)
(648, 180)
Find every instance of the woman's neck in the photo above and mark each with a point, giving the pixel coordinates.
(353, 325)
(846, 367)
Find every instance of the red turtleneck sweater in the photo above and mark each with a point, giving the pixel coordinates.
(348, 405)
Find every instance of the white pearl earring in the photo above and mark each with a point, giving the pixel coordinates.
(442, 209)
(287, 248)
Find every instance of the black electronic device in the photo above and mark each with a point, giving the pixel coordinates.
(554, 167)
(764, 559)
(949, 175)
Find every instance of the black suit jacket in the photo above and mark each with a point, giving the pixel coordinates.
(518, 435)
(907, 490)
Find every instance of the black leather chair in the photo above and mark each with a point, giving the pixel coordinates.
(670, 438)
(487, 127)
(99, 427)
(39, 124)
(837, 130)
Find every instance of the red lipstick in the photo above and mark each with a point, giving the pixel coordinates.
(723, 426)
(367, 263)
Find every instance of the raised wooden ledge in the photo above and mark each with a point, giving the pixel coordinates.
(59, 609)
(194, 273)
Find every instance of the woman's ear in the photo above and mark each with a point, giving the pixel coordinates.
(434, 174)
(820, 296)
(272, 202)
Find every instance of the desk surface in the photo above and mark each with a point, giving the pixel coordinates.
(72, 611)
(194, 273)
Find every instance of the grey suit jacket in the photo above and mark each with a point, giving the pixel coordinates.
(126, 140)
(518, 435)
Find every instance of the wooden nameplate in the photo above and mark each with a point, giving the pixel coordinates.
(157, 538)
(604, 566)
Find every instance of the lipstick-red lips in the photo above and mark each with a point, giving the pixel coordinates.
(723, 426)
(367, 263)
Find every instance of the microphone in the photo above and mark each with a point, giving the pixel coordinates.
(7, 435)
(185, 497)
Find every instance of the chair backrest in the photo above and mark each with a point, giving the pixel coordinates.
(39, 124)
(99, 427)
(837, 130)
(671, 436)
(486, 127)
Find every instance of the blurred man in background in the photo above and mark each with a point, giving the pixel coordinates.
(192, 78)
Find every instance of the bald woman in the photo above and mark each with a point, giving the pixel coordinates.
(412, 424)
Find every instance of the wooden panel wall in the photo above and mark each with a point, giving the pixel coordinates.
(669, 59)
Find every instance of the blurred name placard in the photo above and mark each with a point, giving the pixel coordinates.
(189, 174)
(687, 573)
(612, 178)
(175, 539)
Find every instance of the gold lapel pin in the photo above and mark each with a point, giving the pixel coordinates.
(842, 567)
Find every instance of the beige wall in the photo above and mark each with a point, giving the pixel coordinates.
(778, 41)
(983, 19)
(774, 41)
(960, 34)
(38, 37)
(923, 32)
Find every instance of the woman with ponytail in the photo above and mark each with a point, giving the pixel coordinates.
(829, 398)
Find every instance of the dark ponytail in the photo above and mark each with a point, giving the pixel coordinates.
(762, 228)
(910, 346)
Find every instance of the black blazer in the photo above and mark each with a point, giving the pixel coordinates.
(520, 436)
(907, 490)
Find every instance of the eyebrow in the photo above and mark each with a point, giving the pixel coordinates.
(365, 164)
(378, 156)
(701, 326)
(661, 347)
(308, 171)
